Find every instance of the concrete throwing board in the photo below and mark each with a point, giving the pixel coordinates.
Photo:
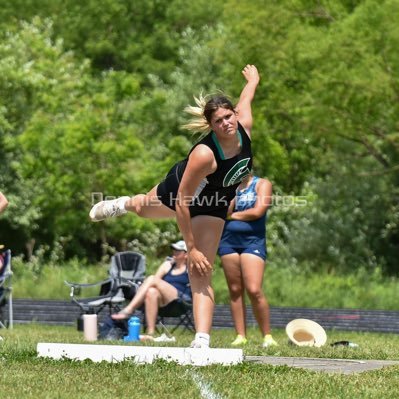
(140, 354)
(344, 366)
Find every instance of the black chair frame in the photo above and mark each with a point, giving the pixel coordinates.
(179, 310)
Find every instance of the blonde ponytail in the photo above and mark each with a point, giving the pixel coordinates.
(197, 122)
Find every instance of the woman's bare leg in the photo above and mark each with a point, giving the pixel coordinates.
(207, 231)
(145, 205)
(253, 268)
(166, 291)
(149, 206)
(152, 303)
(232, 271)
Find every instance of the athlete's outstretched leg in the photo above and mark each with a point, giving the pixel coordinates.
(144, 205)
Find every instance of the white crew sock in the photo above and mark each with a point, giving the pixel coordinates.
(203, 339)
(122, 202)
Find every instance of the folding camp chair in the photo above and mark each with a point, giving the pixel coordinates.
(180, 314)
(126, 273)
(6, 289)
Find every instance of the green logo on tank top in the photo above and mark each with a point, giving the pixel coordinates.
(237, 173)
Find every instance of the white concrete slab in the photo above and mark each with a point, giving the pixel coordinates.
(344, 366)
(140, 354)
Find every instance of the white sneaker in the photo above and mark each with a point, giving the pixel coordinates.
(164, 338)
(107, 209)
(198, 345)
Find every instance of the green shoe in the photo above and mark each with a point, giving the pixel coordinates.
(240, 340)
(269, 341)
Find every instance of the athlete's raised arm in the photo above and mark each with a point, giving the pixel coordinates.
(243, 108)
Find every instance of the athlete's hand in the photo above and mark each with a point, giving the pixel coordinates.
(251, 73)
(199, 261)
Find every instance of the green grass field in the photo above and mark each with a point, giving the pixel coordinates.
(26, 376)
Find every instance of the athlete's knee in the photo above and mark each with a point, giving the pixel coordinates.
(255, 292)
(236, 290)
(152, 294)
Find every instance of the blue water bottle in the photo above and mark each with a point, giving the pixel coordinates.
(133, 329)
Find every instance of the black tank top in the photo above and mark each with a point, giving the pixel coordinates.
(219, 188)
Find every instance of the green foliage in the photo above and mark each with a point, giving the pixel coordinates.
(92, 97)
(35, 279)
(340, 223)
(134, 36)
(301, 286)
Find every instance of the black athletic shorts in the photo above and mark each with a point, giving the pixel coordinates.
(167, 193)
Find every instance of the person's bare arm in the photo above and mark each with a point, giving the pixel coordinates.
(230, 210)
(263, 201)
(163, 268)
(3, 202)
(243, 108)
(200, 164)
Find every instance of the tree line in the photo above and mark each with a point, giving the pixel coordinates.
(91, 101)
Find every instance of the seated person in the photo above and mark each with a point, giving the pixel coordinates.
(169, 283)
(2, 258)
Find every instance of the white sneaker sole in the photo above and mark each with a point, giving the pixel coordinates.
(197, 345)
(92, 213)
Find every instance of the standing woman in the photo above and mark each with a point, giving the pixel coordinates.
(3, 206)
(3, 202)
(243, 253)
(197, 191)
